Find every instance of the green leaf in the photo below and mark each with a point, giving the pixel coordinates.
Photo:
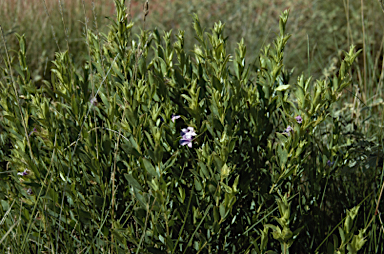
(10, 118)
(97, 200)
(134, 144)
(133, 182)
(222, 211)
(107, 144)
(84, 217)
(264, 238)
(283, 138)
(149, 167)
(218, 162)
(204, 169)
(225, 171)
(216, 215)
(171, 161)
(342, 235)
(282, 88)
(300, 96)
(226, 188)
(182, 194)
(197, 184)
(158, 153)
(131, 116)
(358, 240)
(283, 156)
(234, 186)
(130, 149)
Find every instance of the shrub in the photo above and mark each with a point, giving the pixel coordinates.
(151, 149)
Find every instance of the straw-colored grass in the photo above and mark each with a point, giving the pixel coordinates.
(320, 30)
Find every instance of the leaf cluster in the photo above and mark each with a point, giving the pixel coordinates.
(105, 169)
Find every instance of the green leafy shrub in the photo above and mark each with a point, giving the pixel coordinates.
(151, 149)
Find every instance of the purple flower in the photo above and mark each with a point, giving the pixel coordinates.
(330, 163)
(34, 130)
(24, 173)
(299, 119)
(288, 130)
(174, 117)
(189, 131)
(187, 136)
(93, 101)
(29, 191)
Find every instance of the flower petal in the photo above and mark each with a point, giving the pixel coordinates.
(184, 142)
(174, 117)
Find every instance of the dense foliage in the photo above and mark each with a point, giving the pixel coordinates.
(152, 149)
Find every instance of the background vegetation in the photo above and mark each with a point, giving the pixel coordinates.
(320, 31)
(345, 148)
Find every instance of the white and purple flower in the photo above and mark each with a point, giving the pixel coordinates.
(187, 136)
(174, 117)
(299, 119)
(24, 173)
(93, 101)
(288, 130)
